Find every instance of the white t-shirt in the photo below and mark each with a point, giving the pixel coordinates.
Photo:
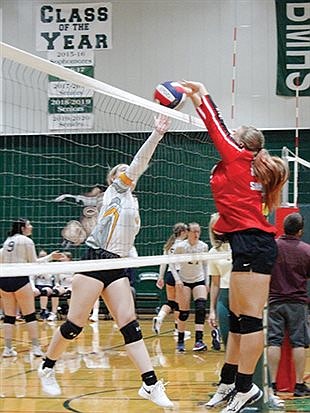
(222, 266)
(191, 272)
(19, 249)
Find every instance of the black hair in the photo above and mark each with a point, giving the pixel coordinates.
(293, 223)
(17, 226)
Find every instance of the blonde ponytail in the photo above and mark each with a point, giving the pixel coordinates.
(177, 230)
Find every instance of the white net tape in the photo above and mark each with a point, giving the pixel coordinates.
(18, 270)
(50, 68)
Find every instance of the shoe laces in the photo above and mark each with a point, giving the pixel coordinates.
(49, 374)
(232, 395)
(160, 384)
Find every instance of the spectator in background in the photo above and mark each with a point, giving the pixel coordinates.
(62, 287)
(219, 271)
(43, 288)
(288, 301)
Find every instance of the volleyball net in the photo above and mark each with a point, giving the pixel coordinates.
(60, 133)
(291, 189)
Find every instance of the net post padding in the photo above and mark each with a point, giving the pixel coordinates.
(18, 270)
(280, 214)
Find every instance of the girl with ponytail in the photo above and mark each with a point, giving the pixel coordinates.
(246, 178)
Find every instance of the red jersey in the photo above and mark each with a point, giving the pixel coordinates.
(237, 193)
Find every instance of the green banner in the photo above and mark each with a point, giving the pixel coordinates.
(85, 70)
(293, 29)
(70, 105)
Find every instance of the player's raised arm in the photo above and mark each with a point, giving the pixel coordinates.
(144, 154)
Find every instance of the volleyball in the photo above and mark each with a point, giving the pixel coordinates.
(170, 94)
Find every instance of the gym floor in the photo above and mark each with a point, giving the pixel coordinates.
(96, 375)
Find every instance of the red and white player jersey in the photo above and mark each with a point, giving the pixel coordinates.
(237, 193)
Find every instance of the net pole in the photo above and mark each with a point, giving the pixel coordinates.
(296, 143)
(285, 194)
(233, 79)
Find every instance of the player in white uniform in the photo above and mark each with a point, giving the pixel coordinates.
(17, 291)
(178, 235)
(192, 278)
(113, 237)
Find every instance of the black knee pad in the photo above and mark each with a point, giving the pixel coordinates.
(200, 310)
(70, 330)
(9, 319)
(30, 317)
(250, 324)
(43, 292)
(173, 305)
(183, 316)
(234, 323)
(67, 294)
(131, 332)
(55, 292)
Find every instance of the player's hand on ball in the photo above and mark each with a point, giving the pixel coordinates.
(191, 88)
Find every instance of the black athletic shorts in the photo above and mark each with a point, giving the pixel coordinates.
(253, 250)
(169, 279)
(12, 284)
(105, 276)
(194, 284)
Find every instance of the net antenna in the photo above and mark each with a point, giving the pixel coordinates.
(233, 79)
